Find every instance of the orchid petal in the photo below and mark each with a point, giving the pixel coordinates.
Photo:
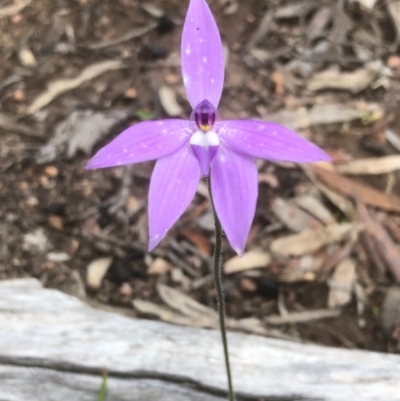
(145, 141)
(202, 55)
(268, 141)
(234, 185)
(172, 187)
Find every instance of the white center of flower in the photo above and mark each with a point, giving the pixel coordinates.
(204, 139)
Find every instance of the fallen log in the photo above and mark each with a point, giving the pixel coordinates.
(55, 347)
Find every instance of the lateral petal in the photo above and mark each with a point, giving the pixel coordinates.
(172, 187)
(268, 141)
(202, 55)
(234, 185)
(144, 141)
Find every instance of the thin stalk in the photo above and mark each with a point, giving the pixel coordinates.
(220, 294)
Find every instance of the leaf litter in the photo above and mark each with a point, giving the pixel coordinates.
(310, 229)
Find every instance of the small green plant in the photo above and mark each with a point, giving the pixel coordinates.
(103, 388)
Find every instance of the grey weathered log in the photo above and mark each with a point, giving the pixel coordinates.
(54, 346)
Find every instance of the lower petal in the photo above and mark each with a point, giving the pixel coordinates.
(234, 185)
(172, 187)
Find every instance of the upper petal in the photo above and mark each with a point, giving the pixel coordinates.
(145, 141)
(268, 141)
(202, 55)
(234, 185)
(172, 187)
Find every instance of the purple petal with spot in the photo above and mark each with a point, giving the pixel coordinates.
(202, 55)
(172, 187)
(145, 141)
(234, 184)
(268, 141)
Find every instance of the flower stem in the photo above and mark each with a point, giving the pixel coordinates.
(220, 294)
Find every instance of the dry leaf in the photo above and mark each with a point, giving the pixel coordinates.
(357, 190)
(319, 23)
(310, 241)
(58, 87)
(14, 8)
(321, 114)
(391, 309)
(201, 242)
(368, 4)
(35, 241)
(9, 123)
(393, 138)
(293, 217)
(342, 284)
(184, 304)
(304, 316)
(333, 78)
(302, 270)
(373, 165)
(315, 207)
(81, 130)
(250, 260)
(168, 101)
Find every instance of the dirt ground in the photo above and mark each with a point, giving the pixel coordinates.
(323, 256)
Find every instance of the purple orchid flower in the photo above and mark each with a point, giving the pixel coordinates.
(205, 145)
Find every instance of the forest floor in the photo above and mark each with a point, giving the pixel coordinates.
(323, 258)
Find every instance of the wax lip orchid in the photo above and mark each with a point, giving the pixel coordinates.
(204, 145)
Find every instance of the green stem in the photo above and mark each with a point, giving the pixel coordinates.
(220, 294)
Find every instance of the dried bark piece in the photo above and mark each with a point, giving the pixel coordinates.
(357, 190)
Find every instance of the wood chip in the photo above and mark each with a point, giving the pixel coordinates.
(310, 241)
(357, 190)
(372, 165)
(26, 57)
(56, 222)
(250, 260)
(159, 266)
(96, 270)
(60, 86)
(342, 283)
